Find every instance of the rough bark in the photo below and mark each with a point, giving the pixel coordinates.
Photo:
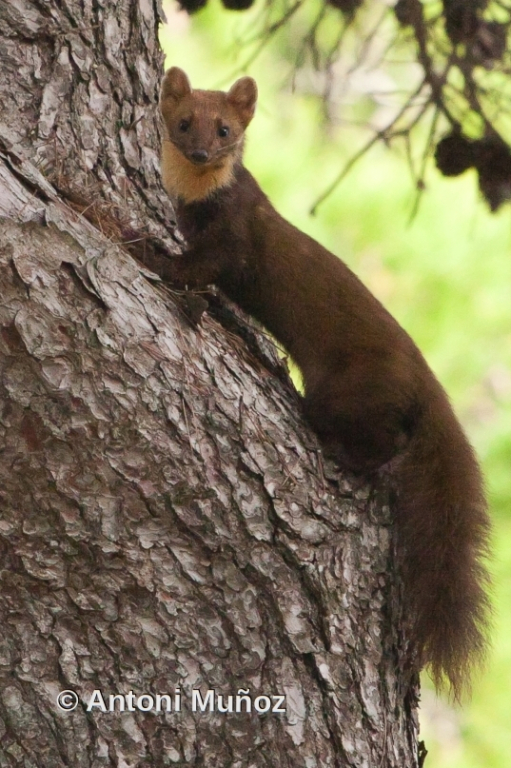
(166, 520)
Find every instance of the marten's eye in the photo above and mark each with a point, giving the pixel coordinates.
(223, 131)
(184, 125)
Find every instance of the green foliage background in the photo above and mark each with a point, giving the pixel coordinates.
(445, 275)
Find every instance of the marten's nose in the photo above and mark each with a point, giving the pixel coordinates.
(200, 156)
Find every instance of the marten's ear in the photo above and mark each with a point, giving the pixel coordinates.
(243, 97)
(175, 85)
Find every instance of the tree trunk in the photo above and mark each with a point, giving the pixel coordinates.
(167, 525)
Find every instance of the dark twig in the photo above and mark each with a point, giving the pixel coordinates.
(377, 136)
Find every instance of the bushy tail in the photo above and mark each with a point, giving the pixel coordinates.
(443, 537)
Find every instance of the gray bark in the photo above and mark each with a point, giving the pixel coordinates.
(166, 520)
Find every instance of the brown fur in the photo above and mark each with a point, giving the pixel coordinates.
(369, 393)
(191, 182)
(205, 112)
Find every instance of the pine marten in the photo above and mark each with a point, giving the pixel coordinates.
(369, 393)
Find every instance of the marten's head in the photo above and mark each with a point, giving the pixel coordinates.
(204, 134)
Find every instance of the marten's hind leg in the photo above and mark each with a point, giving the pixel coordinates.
(361, 421)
